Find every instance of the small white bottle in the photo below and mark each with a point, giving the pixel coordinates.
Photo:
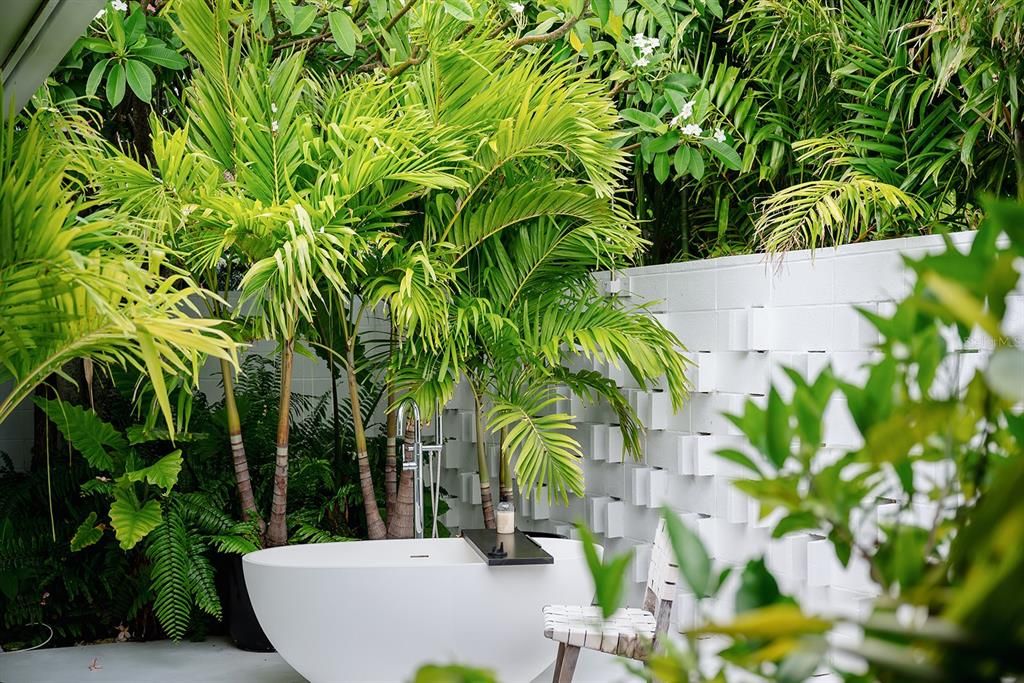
(506, 513)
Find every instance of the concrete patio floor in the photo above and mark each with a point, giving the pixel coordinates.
(213, 661)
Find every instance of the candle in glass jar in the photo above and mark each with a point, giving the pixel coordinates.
(506, 514)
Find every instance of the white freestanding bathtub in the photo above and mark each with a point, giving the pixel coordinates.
(378, 610)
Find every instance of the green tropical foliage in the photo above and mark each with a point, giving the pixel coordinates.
(946, 610)
(81, 283)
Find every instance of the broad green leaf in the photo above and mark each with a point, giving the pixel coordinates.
(602, 8)
(681, 159)
(98, 442)
(779, 432)
(260, 9)
(644, 119)
(740, 458)
(774, 621)
(664, 142)
(133, 522)
(609, 577)
(795, 521)
(696, 165)
(714, 8)
(344, 31)
(161, 56)
(727, 154)
(662, 166)
(758, 588)
(460, 9)
(302, 18)
(162, 473)
(87, 534)
(694, 562)
(115, 85)
(95, 76)
(140, 79)
(287, 9)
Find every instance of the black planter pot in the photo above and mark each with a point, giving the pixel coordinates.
(243, 627)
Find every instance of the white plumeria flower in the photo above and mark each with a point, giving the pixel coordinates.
(719, 135)
(639, 40)
(641, 62)
(692, 129)
(119, 5)
(100, 14)
(273, 126)
(686, 111)
(517, 7)
(676, 120)
(273, 107)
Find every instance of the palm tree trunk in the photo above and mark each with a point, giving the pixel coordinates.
(375, 527)
(506, 488)
(277, 533)
(391, 450)
(400, 522)
(481, 458)
(243, 483)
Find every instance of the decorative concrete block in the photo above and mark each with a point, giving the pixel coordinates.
(639, 485)
(615, 513)
(660, 403)
(799, 283)
(741, 372)
(597, 513)
(541, 504)
(697, 330)
(746, 285)
(599, 442)
(734, 329)
(852, 330)
(615, 446)
(657, 488)
(470, 487)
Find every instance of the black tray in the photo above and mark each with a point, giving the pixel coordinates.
(520, 549)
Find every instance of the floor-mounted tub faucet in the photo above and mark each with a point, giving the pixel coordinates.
(412, 459)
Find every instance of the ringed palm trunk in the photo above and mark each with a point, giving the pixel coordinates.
(400, 521)
(243, 482)
(375, 527)
(277, 532)
(505, 486)
(486, 501)
(391, 450)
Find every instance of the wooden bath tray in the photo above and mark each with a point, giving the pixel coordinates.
(520, 549)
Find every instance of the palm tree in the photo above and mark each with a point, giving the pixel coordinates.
(84, 283)
(537, 212)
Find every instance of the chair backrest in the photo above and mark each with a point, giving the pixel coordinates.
(662, 579)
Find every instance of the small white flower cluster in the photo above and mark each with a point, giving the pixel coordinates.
(119, 5)
(685, 112)
(647, 46)
(517, 7)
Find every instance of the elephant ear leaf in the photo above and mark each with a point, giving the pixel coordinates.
(88, 533)
(131, 520)
(101, 445)
(162, 473)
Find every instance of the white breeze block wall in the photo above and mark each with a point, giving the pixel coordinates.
(741, 320)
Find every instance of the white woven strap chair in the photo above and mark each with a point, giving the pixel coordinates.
(629, 632)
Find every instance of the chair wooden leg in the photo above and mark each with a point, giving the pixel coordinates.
(558, 662)
(567, 667)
